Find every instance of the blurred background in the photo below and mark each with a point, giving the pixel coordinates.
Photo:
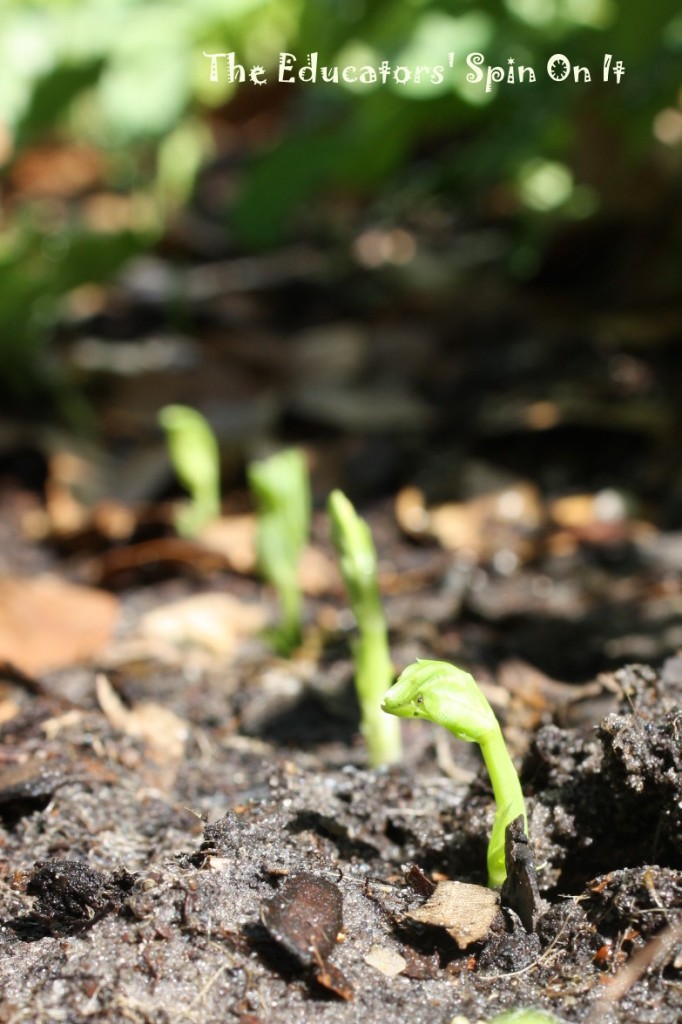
(450, 296)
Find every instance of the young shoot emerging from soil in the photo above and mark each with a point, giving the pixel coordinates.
(373, 669)
(448, 696)
(195, 456)
(281, 488)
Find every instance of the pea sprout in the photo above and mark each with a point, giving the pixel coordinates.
(281, 488)
(373, 669)
(446, 695)
(195, 456)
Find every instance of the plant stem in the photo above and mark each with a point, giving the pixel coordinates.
(208, 501)
(374, 675)
(290, 629)
(508, 797)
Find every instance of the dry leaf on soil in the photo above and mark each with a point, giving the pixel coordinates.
(160, 729)
(465, 911)
(47, 623)
(216, 622)
(234, 537)
(482, 525)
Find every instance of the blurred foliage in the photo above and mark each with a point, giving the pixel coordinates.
(36, 273)
(280, 485)
(375, 138)
(128, 79)
(195, 455)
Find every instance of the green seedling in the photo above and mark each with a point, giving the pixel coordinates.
(448, 696)
(195, 456)
(281, 489)
(373, 669)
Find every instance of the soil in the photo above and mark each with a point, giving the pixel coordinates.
(137, 886)
(194, 836)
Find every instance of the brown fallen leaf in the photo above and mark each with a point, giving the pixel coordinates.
(213, 621)
(53, 169)
(234, 537)
(502, 519)
(163, 732)
(465, 911)
(154, 559)
(47, 623)
(317, 573)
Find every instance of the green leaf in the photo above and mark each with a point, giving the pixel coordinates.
(195, 456)
(281, 487)
(52, 95)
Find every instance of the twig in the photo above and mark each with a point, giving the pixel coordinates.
(654, 954)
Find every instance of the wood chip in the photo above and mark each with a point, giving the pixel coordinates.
(465, 911)
(386, 960)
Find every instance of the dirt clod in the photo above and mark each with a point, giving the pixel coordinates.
(69, 895)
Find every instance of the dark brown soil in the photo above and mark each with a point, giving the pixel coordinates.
(119, 904)
(254, 870)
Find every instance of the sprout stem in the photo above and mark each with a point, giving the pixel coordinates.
(288, 635)
(281, 489)
(508, 797)
(195, 455)
(373, 676)
(373, 669)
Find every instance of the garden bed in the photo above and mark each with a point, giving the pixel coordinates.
(157, 815)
